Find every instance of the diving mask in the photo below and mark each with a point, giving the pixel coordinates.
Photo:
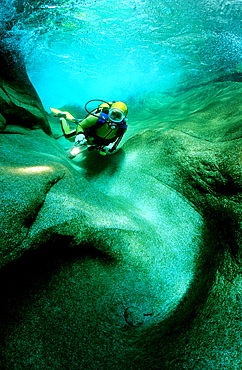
(116, 115)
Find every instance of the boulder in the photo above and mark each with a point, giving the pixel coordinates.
(130, 261)
(19, 102)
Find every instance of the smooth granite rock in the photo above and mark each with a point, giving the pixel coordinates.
(19, 102)
(131, 261)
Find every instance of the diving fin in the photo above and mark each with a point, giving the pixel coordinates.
(59, 113)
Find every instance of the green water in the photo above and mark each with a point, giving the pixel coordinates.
(137, 239)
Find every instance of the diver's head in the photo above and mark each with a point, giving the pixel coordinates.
(117, 114)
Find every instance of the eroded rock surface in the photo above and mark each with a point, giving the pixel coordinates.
(19, 101)
(125, 262)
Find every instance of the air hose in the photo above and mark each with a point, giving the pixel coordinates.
(96, 100)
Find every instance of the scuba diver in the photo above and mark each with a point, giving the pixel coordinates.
(102, 129)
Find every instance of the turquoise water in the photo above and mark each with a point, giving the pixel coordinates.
(136, 51)
(177, 64)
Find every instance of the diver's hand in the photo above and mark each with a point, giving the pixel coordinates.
(80, 139)
(106, 150)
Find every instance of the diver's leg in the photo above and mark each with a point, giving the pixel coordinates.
(68, 133)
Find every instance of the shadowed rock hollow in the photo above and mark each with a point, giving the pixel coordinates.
(131, 261)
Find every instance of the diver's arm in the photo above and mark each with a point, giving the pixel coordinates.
(87, 122)
(115, 145)
(117, 141)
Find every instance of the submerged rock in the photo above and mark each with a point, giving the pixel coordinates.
(2, 123)
(19, 102)
(134, 316)
(88, 250)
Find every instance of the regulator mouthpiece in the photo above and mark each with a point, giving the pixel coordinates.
(112, 125)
